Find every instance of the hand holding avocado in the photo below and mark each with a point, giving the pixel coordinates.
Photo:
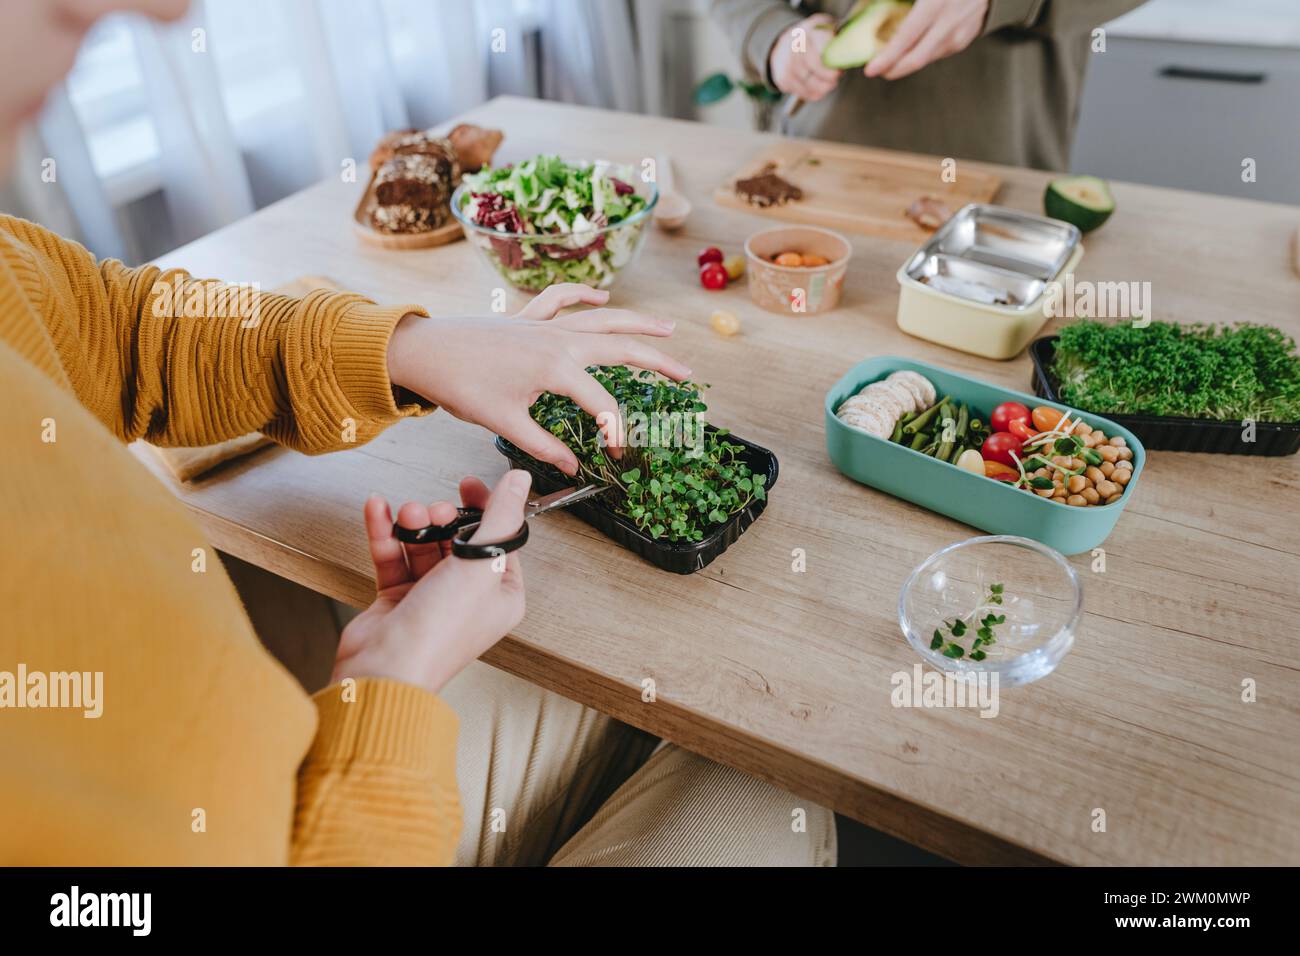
(890, 38)
(796, 61)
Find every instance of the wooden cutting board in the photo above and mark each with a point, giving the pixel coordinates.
(859, 189)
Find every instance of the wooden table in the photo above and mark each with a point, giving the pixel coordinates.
(787, 675)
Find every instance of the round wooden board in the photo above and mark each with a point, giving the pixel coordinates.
(417, 240)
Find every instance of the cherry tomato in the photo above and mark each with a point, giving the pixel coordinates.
(1000, 472)
(1006, 413)
(711, 254)
(999, 446)
(1046, 417)
(713, 276)
(1021, 429)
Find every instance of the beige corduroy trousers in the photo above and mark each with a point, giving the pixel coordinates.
(546, 781)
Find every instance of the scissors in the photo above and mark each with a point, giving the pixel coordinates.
(467, 520)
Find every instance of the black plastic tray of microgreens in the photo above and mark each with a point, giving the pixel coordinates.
(678, 557)
(1167, 433)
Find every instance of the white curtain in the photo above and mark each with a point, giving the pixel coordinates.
(164, 132)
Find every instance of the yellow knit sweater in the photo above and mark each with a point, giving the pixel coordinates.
(205, 751)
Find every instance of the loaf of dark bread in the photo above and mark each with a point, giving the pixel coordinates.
(416, 171)
(408, 142)
(472, 146)
(412, 191)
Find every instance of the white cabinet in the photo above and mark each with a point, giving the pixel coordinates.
(1187, 115)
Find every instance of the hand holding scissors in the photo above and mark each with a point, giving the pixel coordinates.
(434, 613)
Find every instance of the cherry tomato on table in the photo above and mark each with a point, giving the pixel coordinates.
(711, 254)
(713, 276)
(1006, 413)
(999, 446)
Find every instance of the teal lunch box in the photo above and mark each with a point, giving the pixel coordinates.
(970, 498)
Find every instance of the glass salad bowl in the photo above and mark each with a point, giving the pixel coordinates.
(997, 604)
(556, 242)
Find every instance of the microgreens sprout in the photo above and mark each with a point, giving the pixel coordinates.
(984, 634)
(678, 491)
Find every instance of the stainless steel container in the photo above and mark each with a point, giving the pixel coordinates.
(980, 283)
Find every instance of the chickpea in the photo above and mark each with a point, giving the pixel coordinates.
(1106, 468)
(1107, 488)
(1118, 441)
(1121, 476)
(1126, 454)
(1082, 428)
(1076, 484)
(1044, 492)
(1095, 474)
(1114, 498)
(1109, 452)
(1077, 501)
(1091, 440)
(1091, 495)
(1062, 460)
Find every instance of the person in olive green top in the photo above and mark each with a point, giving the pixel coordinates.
(993, 80)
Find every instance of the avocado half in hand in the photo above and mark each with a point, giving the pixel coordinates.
(865, 32)
(1083, 201)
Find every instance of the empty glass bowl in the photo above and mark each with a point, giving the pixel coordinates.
(1041, 601)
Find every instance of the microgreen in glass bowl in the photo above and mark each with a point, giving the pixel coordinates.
(995, 604)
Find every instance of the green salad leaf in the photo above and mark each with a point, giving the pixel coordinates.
(545, 220)
(554, 196)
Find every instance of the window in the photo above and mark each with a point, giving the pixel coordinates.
(107, 91)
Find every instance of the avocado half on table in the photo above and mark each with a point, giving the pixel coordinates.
(1083, 201)
(863, 32)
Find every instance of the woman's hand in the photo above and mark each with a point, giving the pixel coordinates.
(435, 613)
(933, 30)
(801, 72)
(489, 371)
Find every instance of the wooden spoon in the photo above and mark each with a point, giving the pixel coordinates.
(673, 207)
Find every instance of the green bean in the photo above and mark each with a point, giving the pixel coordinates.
(919, 441)
(924, 418)
(898, 431)
(963, 422)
